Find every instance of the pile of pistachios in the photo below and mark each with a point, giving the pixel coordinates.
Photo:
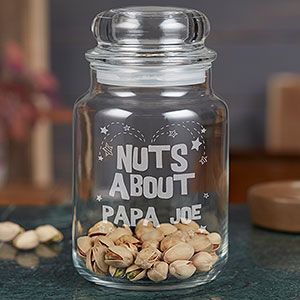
(178, 250)
(30, 239)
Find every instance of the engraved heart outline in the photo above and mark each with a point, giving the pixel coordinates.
(169, 129)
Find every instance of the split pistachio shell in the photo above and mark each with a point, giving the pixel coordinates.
(171, 240)
(84, 244)
(116, 272)
(154, 235)
(153, 244)
(119, 257)
(142, 227)
(90, 261)
(9, 230)
(127, 239)
(142, 230)
(134, 273)
(131, 247)
(147, 257)
(203, 261)
(99, 257)
(200, 242)
(166, 228)
(26, 240)
(182, 269)
(125, 226)
(103, 240)
(180, 251)
(143, 223)
(158, 272)
(187, 225)
(101, 228)
(48, 234)
(215, 239)
(117, 233)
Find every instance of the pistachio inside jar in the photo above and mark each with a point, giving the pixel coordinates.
(150, 184)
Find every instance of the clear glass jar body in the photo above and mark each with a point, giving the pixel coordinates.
(155, 153)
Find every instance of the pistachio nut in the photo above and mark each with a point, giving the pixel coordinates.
(171, 240)
(147, 257)
(144, 223)
(84, 244)
(203, 261)
(125, 226)
(48, 234)
(215, 239)
(182, 269)
(102, 240)
(153, 244)
(131, 247)
(200, 242)
(142, 227)
(180, 251)
(202, 231)
(101, 228)
(26, 240)
(153, 235)
(127, 239)
(117, 233)
(142, 230)
(134, 273)
(99, 252)
(166, 228)
(119, 257)
(90, 260)
(116, 272)
(187, 225)
(159, 271)
(27, 260)
(9, 230)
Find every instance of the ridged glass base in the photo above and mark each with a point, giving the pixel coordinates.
(147, 285)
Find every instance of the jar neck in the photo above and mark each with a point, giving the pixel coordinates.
(202, 82)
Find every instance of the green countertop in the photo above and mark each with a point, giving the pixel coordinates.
(262, 264)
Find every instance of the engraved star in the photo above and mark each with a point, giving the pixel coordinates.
(99, 198)
(203, 160)
(172, 133)
(196, 144)
(203, 130)
(108, 150)
(126, 127)
(100, 157)
(206, 195)
(104, 130)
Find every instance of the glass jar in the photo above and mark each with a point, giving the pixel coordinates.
(150, 185)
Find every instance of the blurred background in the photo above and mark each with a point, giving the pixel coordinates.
(43, 71)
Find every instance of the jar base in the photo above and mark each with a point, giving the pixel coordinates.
(148, 286)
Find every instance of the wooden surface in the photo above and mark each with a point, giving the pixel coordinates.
(251, 167)
(26, 194)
